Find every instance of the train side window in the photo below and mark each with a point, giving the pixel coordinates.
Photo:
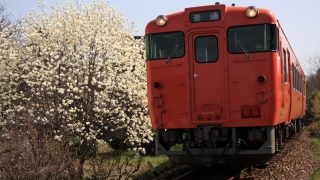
(304, 88)
(299, 83)
(284, 66)
(206, 49)
(294, 76)
(297, 78)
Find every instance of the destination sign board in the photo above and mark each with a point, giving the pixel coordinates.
(205, 16)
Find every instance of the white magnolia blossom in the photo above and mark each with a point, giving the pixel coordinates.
(79, 70)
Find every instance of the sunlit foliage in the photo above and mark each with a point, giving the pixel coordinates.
(77, 70)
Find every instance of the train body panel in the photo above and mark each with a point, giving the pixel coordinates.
(218, 78)
(172, 76)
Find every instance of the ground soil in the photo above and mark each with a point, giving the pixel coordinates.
(297, 160)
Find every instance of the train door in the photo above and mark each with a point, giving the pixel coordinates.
(206, 76)
(286, 85)
(290, 84)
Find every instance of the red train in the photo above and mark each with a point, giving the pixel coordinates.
(223, 82)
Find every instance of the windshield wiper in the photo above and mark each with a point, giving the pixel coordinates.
(243, 48)
(172, 54)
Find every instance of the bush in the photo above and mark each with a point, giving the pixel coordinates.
(74, 142)
(313, 107)
(313, 114)
(118, 142)
(26, 156)
(314, 129)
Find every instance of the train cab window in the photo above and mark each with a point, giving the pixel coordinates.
(164, 45)
(253, 38)
(206, 49)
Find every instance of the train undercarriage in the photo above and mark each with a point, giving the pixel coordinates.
(216, 145)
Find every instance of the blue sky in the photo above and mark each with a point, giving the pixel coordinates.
(299, 19)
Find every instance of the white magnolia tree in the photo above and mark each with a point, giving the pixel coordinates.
(78, 71)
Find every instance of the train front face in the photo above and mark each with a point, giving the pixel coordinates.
(211, 82)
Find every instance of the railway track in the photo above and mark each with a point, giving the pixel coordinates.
(295, 161)
(183, 173)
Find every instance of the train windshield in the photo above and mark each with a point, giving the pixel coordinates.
(164, 45)
(255, 38)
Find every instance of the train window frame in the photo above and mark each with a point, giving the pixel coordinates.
(199, 46)
(153, 52)
(266, 41)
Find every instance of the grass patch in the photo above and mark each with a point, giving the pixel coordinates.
(105, 153)
(177, 147)
(316, 147)
(159, 163)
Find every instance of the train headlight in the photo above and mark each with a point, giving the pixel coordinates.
(161, 20)
(251, 11)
